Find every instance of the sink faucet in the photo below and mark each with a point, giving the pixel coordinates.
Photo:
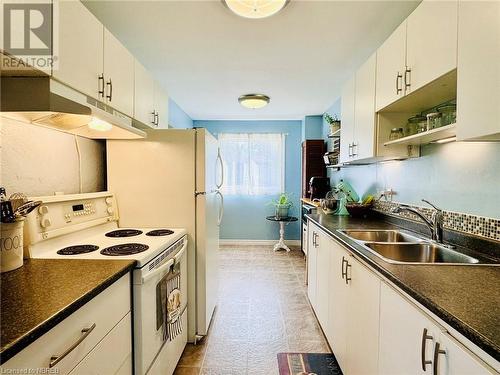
(435, 225)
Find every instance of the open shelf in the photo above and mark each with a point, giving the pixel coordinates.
(425, 137)
(335, 134)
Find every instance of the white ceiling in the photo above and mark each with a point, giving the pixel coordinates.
(205, 56)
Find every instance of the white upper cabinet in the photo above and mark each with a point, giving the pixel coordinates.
(431, 42)
(391, 65)
(80, 53)
(161, 106)
(150, 101)
(422, 49)
(144, 90)
(478, 80)
(364, 111)
(118, 75)
(347, 118)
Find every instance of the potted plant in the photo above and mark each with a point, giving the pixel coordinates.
(333, 121)
(282, 205)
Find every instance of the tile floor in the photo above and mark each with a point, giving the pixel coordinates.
(262, 310)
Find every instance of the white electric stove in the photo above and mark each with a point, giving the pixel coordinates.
(86, 226)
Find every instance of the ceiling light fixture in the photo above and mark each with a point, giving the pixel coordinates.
(255, 8)
(254, 101)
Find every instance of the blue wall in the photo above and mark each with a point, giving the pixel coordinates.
(177, 118)
(312, 127)
(244, 216)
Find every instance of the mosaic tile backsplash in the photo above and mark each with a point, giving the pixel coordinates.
(460, 222)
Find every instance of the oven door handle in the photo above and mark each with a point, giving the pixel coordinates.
(179, 255)
(160, 269)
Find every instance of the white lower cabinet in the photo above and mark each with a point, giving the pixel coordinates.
(407, 338)
(346, 304)
(99, 333)
(373, 328)
(312, 252)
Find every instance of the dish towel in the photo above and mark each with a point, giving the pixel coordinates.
(168, 314)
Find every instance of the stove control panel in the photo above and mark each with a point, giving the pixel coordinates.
(63, 214)
(85, 208)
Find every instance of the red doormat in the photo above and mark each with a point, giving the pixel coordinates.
(308, 363)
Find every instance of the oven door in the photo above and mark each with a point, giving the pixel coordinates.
(150, 325)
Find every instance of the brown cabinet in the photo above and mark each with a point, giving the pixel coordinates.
(312, 162)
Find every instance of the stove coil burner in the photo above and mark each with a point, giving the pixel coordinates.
(124, 249)
(124, 233)
(77, 249)
(160, 232)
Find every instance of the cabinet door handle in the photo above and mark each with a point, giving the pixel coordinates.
(157, 119)
(101, 85)
(350, 149)
(354, 153)
(314, 238)
(407, 78)
(316, 244)
(347, 266)
(398, 88)
(154, 117)
(425, 337)
(110, 85)
(437, 352)
(55, 359)
(343, 272)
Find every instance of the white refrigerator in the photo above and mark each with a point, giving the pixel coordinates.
(173, 178)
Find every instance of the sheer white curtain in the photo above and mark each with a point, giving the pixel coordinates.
(254, 163)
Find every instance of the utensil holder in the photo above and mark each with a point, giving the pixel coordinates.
(11, 245)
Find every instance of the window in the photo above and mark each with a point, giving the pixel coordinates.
(254, 164)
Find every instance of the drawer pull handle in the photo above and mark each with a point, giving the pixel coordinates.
(55, 359)
(425, 337)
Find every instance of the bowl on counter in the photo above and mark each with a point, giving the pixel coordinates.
(358, 209)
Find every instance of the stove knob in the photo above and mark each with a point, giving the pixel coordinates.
(45, 223)
(42, 210)
(110, 210)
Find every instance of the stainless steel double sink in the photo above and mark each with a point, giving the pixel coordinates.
(395, 246)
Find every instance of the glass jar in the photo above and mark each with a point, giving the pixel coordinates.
(414, 124)
(434, 120)
(448, 113)
(396, 133)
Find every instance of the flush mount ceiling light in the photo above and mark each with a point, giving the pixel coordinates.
(254, 101)
(255, 8)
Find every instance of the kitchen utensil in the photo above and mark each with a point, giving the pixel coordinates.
(414, 124)
(348, 191)
(6, 211)
(434, 120)
(448, 113)
(17, 199)
(26, 208)
(396, 133)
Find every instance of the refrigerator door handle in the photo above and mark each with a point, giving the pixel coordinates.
(221, 208)
(219, 159)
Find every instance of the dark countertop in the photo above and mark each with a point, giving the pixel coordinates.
(39, 295)
(464, 296)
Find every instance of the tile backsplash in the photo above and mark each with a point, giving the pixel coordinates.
(469, 224)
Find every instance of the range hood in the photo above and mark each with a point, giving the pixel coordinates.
(47, 102)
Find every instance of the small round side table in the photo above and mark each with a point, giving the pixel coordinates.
(283, 221)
